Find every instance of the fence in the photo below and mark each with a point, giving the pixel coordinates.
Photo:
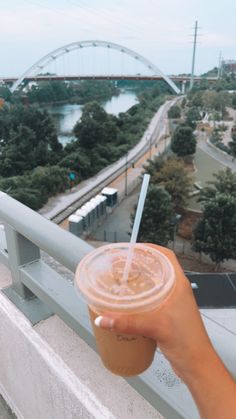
(38, 290)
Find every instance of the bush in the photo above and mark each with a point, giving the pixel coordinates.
(174, 112)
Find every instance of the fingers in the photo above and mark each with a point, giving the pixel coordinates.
(126, 324)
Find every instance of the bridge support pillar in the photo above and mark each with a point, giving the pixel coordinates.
(183, 86)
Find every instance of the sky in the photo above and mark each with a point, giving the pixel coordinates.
(160, 30)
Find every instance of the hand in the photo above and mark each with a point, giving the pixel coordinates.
(178, 330)
(175, 325)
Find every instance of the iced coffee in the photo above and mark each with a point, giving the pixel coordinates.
(101, 280)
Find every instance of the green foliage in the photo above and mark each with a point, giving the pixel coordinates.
(5, 93)
(233, 101)
(173, 177)
(232, 143)
(195, 100)
(156, 226)
(28, 139)
(89, 90)
(95, 126)
(232, 146)
(183, 103)
(216, 101)
(224, 183)
(105, 138)
(35, 188)
(60, 91)
(33, 165)
(174, 112)
(79, 162)
(183, 141)
(215, 233)
(216, 136)
(48, 91)
(192, 116)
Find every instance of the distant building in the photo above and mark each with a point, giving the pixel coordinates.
(229, 66)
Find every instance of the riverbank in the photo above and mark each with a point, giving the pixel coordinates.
(66, 115)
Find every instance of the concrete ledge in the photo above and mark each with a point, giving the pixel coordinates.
(47, 371)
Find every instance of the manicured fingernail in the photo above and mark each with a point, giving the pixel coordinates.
(105, 322)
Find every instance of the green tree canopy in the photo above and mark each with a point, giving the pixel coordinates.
(95, 126)
(232, 143)
(224, 183)
(28, 139)
(174, 112)
(216, 101)
(156, 225)
(192, 116)
(183, 141)
(215, 233)
(172, 175)
(233, 101)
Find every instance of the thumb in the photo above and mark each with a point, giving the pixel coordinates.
(125, 324)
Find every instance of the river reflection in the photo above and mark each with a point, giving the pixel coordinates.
(66, 116)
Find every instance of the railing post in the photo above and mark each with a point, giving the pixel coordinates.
(20, 251)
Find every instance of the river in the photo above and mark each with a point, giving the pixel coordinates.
(66, 116)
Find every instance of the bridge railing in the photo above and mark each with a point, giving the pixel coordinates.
(38, 290)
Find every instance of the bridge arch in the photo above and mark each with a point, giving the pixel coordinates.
(40, 64)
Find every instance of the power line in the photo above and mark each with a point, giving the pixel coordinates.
(102, 13)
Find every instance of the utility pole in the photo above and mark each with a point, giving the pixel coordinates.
(220, 66)
(149, 139)
(126, 174)
(194, 53)
(150, 148)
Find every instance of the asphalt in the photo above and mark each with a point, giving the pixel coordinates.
(117, 226)
(5, 411)
(215, 153)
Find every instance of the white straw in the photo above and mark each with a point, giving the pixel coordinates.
(137, 220)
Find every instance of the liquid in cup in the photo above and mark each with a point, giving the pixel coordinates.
(100, 279)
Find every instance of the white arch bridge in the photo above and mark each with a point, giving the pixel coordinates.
(35, 71)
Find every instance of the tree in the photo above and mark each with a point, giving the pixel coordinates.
(5, 93)
(233, 101)
(28, 139)
(196, 99)
(172, 175)
(156, 226)
(193, 115)
(183, 141)
(95, 126)
(215, 233)
(174, 112)
(217, 101)
(232, 143)
(224, 183)
(78, 161)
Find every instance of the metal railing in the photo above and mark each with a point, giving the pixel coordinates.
(39, 291)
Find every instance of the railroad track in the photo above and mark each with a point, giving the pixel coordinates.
(62, 215)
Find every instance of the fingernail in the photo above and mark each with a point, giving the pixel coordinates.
(105, 322)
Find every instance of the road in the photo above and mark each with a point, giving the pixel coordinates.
(154, 132)
(214, 153)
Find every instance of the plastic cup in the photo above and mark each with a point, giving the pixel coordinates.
(99, 277)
